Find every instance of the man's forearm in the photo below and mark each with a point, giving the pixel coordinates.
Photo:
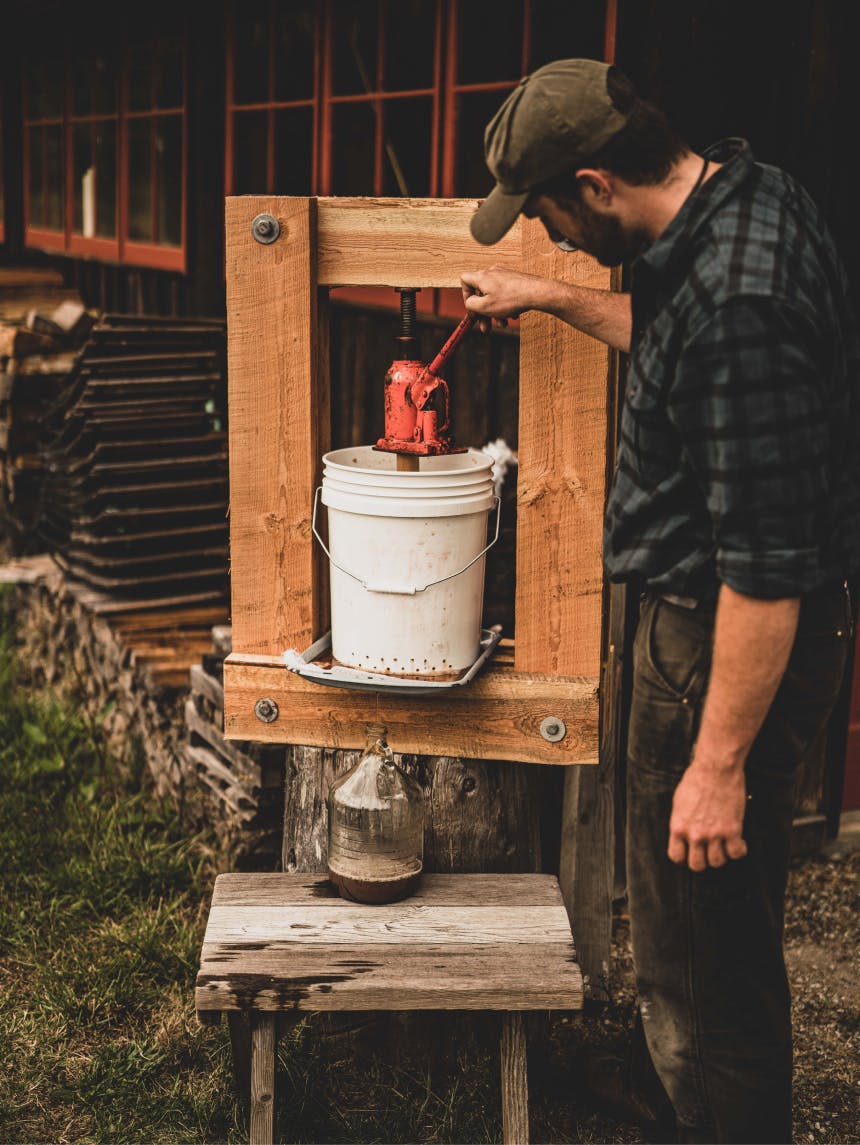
(501, 293)
(603, 314)
(752, 643)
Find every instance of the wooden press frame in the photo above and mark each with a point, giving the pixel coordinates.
(279, 402)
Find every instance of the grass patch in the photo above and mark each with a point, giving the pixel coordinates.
(101, 914)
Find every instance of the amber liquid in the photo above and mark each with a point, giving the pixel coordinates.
(375, 890)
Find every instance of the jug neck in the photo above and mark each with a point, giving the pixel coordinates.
(375, 734)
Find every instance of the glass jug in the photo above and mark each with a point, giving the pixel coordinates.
(375, 826)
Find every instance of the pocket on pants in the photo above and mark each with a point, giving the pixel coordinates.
(675, 649)
(671, 659)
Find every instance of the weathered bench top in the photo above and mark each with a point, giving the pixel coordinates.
(462, 942)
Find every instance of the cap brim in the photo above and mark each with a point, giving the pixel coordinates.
(496, 215)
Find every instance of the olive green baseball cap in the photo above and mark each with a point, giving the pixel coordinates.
(556, 115)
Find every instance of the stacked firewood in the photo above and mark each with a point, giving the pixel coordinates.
(69, 640)
(42, 326)
(135, 452)
(244, 780)
(149, 681)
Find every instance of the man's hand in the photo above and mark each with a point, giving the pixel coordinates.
(706, 828)
(500, 293)
(708, 810)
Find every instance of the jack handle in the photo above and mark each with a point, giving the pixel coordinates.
(451, 345)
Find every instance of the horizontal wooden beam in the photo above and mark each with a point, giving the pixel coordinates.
(403, 242)
(498, 716)
(495, 975)
(462, 942)
(275, 888)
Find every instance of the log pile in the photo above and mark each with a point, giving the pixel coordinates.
(135, 496)
(246, 780)
(67, 643)
(42, 326)
(148, 681)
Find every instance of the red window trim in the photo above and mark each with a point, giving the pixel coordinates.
(155, 257)
(270, 106)
(107, 249)
(43, 239)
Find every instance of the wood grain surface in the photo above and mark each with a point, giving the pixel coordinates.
(263, 1042)
(498, 716)
(515, 1088)
(261, 888)
(461, 943)
(561, 484)
(403, 242)
(279, 426)
(479, 815)
(404, 923)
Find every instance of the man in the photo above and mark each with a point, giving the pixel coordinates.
(735, 510)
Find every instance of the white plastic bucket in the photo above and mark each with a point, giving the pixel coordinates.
(406, 555)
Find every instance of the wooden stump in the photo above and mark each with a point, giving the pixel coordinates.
(480, 815)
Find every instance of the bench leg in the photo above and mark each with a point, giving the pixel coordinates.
(515, 1086)
(263, 1052)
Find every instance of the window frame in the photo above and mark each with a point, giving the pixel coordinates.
(40, 236)
(444, 93)
(376, 99)
(120, 250)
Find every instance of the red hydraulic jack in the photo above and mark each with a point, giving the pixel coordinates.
(417, 416)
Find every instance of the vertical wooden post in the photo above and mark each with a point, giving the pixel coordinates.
(515, 1087)
(279, 425)
(561, 482)
(566, 389)
(263, 1050)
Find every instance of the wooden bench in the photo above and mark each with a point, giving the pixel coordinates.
(278, 943)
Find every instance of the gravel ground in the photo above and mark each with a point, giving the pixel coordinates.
(823, 958)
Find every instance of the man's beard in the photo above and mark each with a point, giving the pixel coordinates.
(604, 237)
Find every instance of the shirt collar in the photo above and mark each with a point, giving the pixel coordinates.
(737, 160)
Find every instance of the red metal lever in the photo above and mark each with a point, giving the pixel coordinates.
(451, 345)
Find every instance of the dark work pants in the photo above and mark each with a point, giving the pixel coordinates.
(707, 946)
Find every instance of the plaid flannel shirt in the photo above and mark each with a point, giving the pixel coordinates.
(739, 450)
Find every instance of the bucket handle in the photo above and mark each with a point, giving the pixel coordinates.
(407, 590)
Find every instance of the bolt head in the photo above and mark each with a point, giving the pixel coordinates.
(266, 710)
(553, 729)
(265, 228)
